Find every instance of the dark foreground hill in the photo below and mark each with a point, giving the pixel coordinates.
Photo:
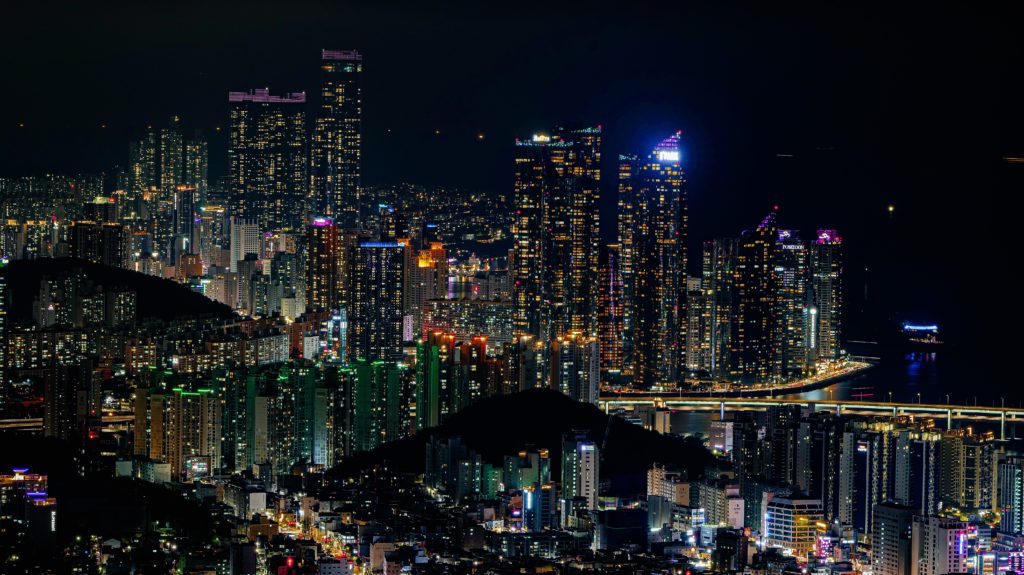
(157, 298)
(502, 425)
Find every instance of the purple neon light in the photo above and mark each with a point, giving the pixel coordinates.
(342, 55)
(768, 221)
(262, 96)
(321, 222)
(670, 144)
(828, 237)
(21, 470)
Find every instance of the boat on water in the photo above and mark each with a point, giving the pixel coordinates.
(921, 336)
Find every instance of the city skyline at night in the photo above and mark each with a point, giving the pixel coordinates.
(339, 289)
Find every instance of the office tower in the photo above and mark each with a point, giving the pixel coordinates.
(555, 257)
(580, 477)
(376, 313)
(267, 158)
(938, 545)
(196, 168)
(337, 138)
(575, 366)
(193, 432)
(659, 266)
(826, 263)
(718, 281)
(890, 539)
(105, 244)
(245, 239)
(610, 309)
(1011, 494)
(171, 156)
(722, 503)
(789, 285)
(142, 168)
(792, 523)
(323, 263)
(752, 337)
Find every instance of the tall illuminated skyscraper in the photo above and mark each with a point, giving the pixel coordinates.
(196, 167)
(658, 264)
(718, 282)
(792, 308)
(171, 155)
(267, 157)
(376, 315)
(555, 258)
(827, 290)
(142, 167)
(753, 330)
(322, 264)
(337, 138)
(629, 166)
(610, 306)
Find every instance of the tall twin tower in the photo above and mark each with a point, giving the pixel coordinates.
(566, 282)
(280, 174)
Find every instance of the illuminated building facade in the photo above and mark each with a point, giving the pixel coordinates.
(555, 256)
(610, 309)
(102, 243)
(323, 264)
(337, 138)
(267, 157)
(826, 261)
(376, 314)
(792, 314)
(575, 366)
(753, 330)
(658, 266)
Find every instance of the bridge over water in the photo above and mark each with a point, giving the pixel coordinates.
(951, 413)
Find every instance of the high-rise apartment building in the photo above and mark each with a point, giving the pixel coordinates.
(555, 256)
(267, 158)
(376, 314)
(658, 263)
(337, 138)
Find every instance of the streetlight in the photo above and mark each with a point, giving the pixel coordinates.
(890, 397)
(919, 398)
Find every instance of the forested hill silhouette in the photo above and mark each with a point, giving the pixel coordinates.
(502, 425)
(157, 298)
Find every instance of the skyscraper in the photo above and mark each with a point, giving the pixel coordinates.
(753, 331)
(322, 264)
(827, 291)
(555, 258)
(658, 266)
(196, 167)
(376, 314)
(575, 366)
(267, 157)
(245, 239)
(792, 310)
(337, 138)
(610, 306)
(171, 155)
(938, 545)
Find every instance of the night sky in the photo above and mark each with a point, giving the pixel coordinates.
(831, 113)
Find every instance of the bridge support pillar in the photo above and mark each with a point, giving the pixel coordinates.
(1002, 425)
(721, 411)
(949, 419)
